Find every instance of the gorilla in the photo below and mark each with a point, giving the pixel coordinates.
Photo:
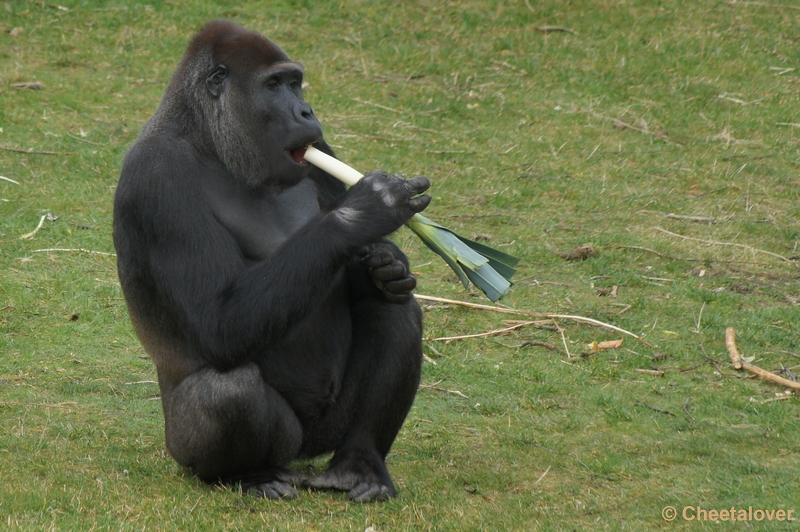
(278, 316)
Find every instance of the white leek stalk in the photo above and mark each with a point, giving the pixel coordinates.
(487, 268)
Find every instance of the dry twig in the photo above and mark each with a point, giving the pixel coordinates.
(717, 243)
(698, 219)
(762, 4)
(655, 409)
(621, 124)
(528, 3)
(495, 332)
(539, 315)
(654, 252)
(685, 404)
(730, 343)
(29, 236)
(738, 363)
(30, 85)
(18, 150)
(552, 29)
(772, 400)
(653, 372)
(539, 343)
(66, 404)
(74, 250)
(563, 339)
(9, 180)
(438, 389)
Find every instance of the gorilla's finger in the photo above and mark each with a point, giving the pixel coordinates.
(418, 185)
(377, 259)
(365, 250)
(400, 286)
(419, 203)
(390, 272)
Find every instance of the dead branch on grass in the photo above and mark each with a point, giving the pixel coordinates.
(37, 152)
(653, 372)
(654, 252)
(709, 359)
(555, 29)
(543, 474)
(30, 85)
(717, 243)
(563, 339)
(655, 409)
(438, 389)
(539, 343)
(539, 315)
(735, 3)
(727, 97)
(685, 259)
(526, 343)
(624, 125)
(739, 363)
(9, 180)
(74, 250)
(29, 236)
(698, 219)
(780, 397)
(67, 404)
(379, 106)
(495, 332)
(730, 343)
(685, 404)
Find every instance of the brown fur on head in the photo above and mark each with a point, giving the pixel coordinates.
(223, 125)
(241, 50)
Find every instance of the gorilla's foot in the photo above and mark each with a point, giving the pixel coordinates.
(278, 484)
(274, 489)
(363, 481)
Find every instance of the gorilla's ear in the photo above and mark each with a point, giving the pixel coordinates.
(216, 79)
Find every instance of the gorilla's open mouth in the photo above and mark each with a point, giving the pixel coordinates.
(297, 155)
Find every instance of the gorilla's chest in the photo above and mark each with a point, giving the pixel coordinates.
(261, 220)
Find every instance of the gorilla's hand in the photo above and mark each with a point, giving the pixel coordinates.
(379, 204)
(389, 273)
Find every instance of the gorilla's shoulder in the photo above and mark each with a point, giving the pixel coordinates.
(158, 177)
(159, 158)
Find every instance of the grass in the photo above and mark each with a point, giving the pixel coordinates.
(538, 141)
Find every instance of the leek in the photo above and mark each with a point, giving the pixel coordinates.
(487, 268)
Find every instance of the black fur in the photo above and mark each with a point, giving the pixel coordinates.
(278, 317)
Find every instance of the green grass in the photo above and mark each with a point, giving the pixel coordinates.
(519, 131)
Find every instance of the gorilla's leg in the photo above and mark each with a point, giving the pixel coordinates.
(379, 386)
(232, 427)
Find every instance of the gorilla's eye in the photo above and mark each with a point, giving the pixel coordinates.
(272, 84)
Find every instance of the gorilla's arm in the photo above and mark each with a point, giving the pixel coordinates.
(196, 274)
(380, 270)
